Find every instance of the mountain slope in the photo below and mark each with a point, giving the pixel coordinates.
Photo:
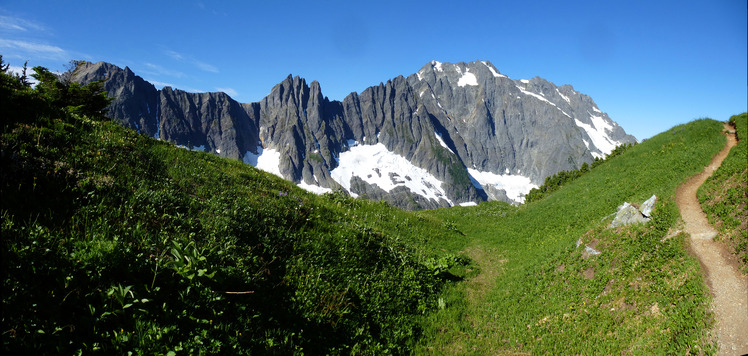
(117, 243)
(637, 291)
(463, 132)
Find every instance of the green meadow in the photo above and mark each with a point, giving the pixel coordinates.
(643, 293)
(113, 242)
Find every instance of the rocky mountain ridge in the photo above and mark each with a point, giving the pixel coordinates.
(449, 134)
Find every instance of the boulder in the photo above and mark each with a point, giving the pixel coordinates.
(628, 214)
(648, 206)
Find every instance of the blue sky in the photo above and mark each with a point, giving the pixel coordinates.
(649, 64)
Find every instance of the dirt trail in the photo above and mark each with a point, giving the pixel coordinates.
(729, 287)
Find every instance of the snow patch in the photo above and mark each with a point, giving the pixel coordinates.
(596, 109)
(468, 203)
(378, 166)
(467, 79)
(598, 136)
(537, 96)
(526, 81)
(441, 141)
(493, 71)
(515, 186)
(437, 65)
(218, 150)
(542, 98)
(566, 98)
(601, 124)
(314, 188)
(267, 160)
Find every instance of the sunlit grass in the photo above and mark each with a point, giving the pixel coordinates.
(551, 297)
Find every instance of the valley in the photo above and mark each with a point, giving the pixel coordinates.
(116, 242)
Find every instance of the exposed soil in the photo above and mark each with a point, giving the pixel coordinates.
(489, 261)
(728, 286)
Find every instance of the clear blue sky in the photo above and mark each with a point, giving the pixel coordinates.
(649, 64)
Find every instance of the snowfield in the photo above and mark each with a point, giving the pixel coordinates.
(515, 186)
(266, 159)
(387, 170)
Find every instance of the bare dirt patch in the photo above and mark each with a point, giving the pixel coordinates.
(489, 261)
(728, 286)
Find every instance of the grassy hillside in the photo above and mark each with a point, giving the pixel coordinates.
(643, 293)
(724, 196)
(113, 242)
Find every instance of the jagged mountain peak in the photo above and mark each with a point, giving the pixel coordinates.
(462, 73)
(451, 133)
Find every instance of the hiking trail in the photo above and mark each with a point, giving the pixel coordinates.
(728, 286)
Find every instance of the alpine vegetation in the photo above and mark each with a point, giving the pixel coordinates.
(115, 242)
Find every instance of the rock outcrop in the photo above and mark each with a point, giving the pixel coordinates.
(628, 214)
(446, 135)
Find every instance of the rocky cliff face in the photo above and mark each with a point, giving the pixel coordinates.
(448, 134)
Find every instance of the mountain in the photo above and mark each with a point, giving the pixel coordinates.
(449, 134)
(114, 239)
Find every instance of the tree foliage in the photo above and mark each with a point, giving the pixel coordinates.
(89, 100)
(50, 97)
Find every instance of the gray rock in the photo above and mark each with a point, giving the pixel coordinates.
(444, 119)
(628, 214)
(648, 206)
